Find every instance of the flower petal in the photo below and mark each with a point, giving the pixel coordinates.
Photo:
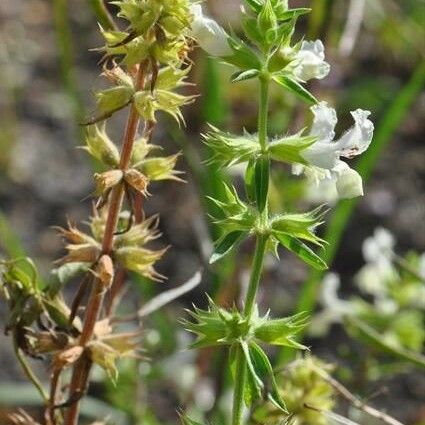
(210, 36)
(324, 122)
(356, 140)
(311, 61)
(349, 183)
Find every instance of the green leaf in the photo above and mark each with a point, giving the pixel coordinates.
(293, 13)
(295, 87)
(264, 371)
(250, 28)
(262, 177)
(301, 250)
(254, 385)
(243, 56)
(301, 226)
(250, 181)
(288, 149)
(227, 245)
(255, 5)
(282, 331)
(244, 75)
(185, 420)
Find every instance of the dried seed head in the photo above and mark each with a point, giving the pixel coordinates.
(104, 270)
(117, 75)
(107, 180)
(46, 342)
(84, 253)
(74, 235)
(137, 181)
(68, 357)
(102, 328)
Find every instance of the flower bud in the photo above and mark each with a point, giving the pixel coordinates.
(349, 184)
(267, 22)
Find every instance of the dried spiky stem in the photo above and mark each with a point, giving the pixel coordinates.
(82, 367)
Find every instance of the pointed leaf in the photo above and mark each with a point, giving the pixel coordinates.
(301, 250)
(226, 245)
(295, 87)
(250, 181)
(244, 75)
(262, 176)
(264, 371)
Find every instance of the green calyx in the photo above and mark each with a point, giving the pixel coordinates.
(239, 220)
(217, 326)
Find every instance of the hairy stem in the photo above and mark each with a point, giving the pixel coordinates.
(82, 367)
(257, 265)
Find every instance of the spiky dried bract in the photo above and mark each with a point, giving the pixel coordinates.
(129, 248)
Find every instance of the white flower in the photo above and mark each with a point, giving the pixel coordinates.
(310, 61)
(334, 309)
(324, 155)
(210, 36)
(379, 248)
(378, 251)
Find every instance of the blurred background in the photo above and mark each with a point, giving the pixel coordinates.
(48, 74)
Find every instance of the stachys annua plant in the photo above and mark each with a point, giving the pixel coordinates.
(145, 64)
(268, 54)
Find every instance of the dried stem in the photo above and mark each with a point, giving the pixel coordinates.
(82, 367)
(355, 401)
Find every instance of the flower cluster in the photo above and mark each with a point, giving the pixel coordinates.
(288, 66)
(267, 52)
(391, 321)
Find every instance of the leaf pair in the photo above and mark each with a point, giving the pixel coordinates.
(217, 326)
(229, 149)
(260, 383)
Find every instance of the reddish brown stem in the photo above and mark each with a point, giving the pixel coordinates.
(82, 368)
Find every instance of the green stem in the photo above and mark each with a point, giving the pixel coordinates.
(28, 371)
(240, 378)
(257, 265)
(257, 268)
(263, 112)
(240, 375)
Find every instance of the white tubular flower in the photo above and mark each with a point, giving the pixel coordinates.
(334, 308)
(378, 251)
(310, 61)
(324, 155)
(210, 36)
